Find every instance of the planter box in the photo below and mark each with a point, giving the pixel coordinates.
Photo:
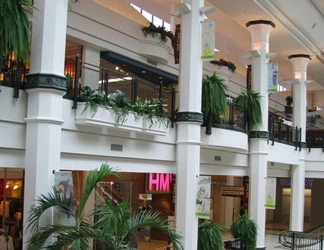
(155, 128)
(154, 48)
(129, 122)
(101, 118)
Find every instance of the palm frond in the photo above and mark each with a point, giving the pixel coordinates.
(93, 178)
(15, 29)
(45, 202)
(210, 236)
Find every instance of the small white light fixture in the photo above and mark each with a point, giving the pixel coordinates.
(184, 7)
(207, 10)
(255, 53)
(216, 50)
(272, 55)
(175, 13)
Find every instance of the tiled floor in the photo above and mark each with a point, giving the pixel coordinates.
(271, 243)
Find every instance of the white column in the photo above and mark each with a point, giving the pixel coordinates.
(300, 63)
(260, 31)
(229, 205)
(189, 119)
(45, 87)
(92, 57)
(297, 197)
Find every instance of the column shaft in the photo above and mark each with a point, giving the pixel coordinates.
(45, 87)
(189, 119)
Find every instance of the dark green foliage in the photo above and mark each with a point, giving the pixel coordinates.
(245, 229)
(92, 99)
(289, 100)
(15, 29)
(214, 102)
(115, 226)
(251, 101)
(221, 62)
(210, 236)
(159, 31)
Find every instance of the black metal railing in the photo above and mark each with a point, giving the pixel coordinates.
(109, 81)
(300, 240)
(284, 133)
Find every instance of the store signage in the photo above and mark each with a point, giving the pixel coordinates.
(286, 122)
(232, 190)
(159, 182)
(287, 182)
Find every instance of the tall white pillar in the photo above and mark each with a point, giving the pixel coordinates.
(189, 119)
(260, 31)
(300, 63)
(91, 56)
(45, 86)
(297, 197)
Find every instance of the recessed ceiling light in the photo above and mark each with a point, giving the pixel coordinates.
(143, 71)
(116, 68)
(160, 77)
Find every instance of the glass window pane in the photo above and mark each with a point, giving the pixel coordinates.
(167, 26)
(136, 7)
(147, 15)
(157, 21)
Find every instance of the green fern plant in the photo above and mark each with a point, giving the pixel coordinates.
(245, 229)
(210, 236)
(214, 102)
(15, 29)
(251, 101)
(159, 31)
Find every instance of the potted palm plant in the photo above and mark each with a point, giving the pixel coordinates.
(246, 230)
(214, 102)
(210, 236)
(251, 101)
(115, 227)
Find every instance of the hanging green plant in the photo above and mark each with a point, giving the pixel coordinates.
(15, 30)
(159, 31)
(289, 100)
(214, 102)
(221, 62)
(251, 101)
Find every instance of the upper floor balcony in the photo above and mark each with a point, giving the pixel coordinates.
(108, 81)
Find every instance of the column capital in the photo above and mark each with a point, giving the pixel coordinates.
(299, 62)
(260, 22)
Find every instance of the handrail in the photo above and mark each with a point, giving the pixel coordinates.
(294, 239)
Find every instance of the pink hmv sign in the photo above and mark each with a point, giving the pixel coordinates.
(158, 182)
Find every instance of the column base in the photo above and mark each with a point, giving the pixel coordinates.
(259, 134)
(189, 117)
(41, 80)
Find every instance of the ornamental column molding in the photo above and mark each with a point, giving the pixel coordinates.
(45, 86)
(189, 118)
(297, 197)
(260, 32)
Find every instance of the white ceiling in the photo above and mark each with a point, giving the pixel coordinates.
(299, 30)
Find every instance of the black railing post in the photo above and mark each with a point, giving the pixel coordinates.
(76, 82)
(280, 134)
(300, 140)
(296, 138)
(293, 237)
(309, 143)
(106, 81)
(288, 134)
(232, 110)
(173, 99)
(323, 140)
(134, 91)
(161, 91)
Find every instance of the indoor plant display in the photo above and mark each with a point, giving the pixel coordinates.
(221, 62)
(251, 101)
(15, 30)
(214, 102)
(115, 227)
(245, 229)
(210, 236)
(159, 31)
(288, 107)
